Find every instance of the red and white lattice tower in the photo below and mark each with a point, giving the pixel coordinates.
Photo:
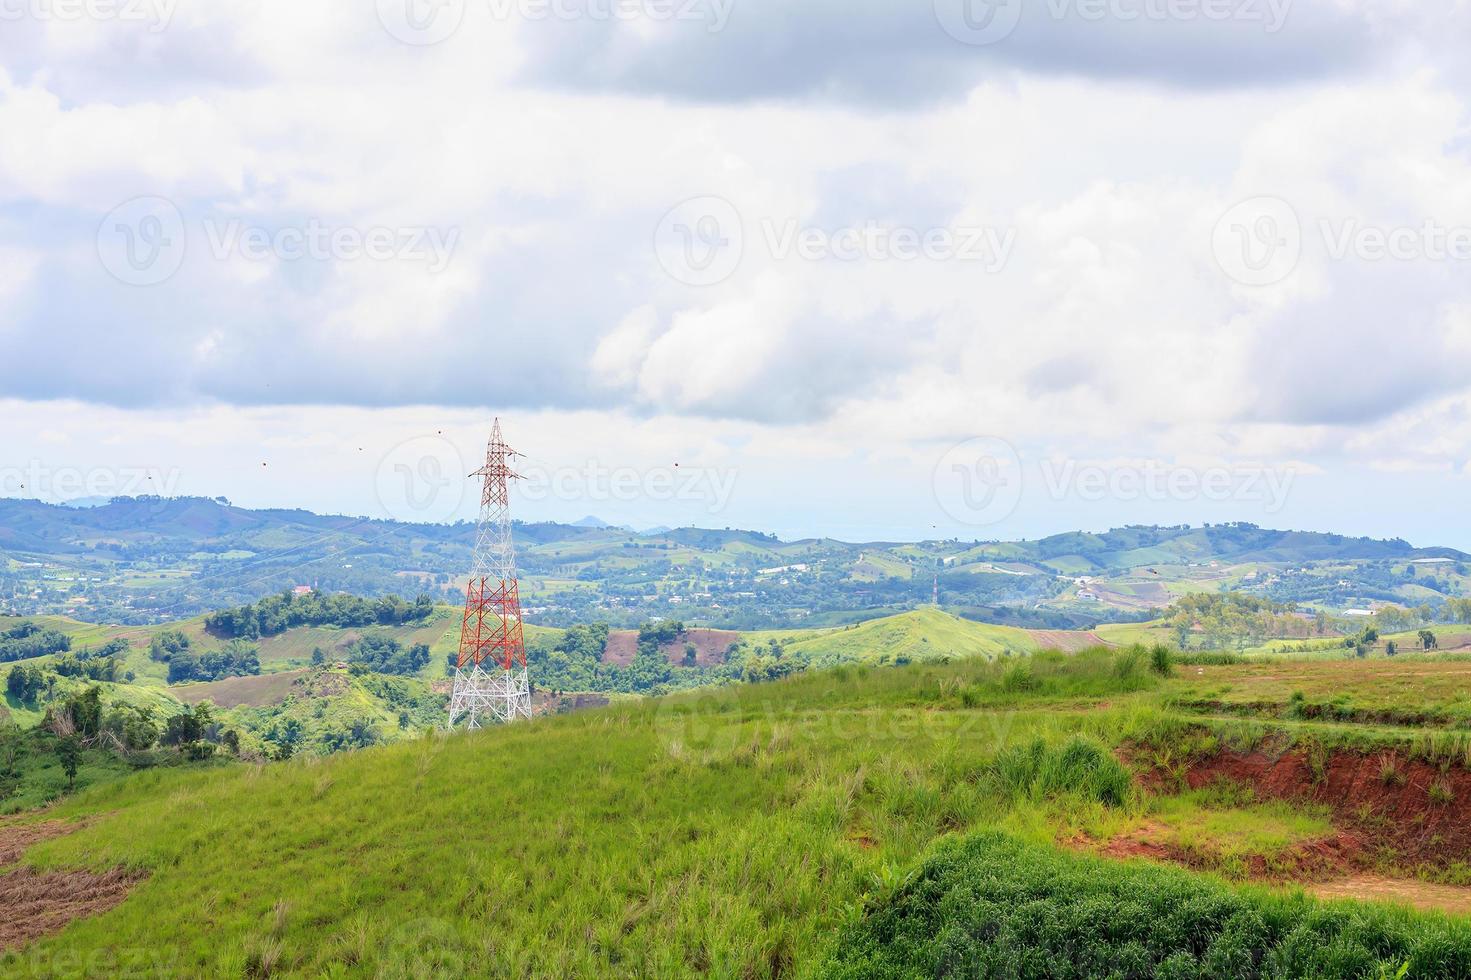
(490, 675)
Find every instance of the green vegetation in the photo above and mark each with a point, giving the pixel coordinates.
(1233, 620)
(845, 817)
(383, 654)
(918, 636)
(235, 659)
(28, 640)
(279, 613)
(995, 906)
(39, 766)
(738, 830)
(145, 560)
(572, 661)
(780, 805)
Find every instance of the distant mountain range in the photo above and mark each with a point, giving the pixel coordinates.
(148, 558)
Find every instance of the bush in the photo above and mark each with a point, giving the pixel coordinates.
(167, 643)
(995, 907)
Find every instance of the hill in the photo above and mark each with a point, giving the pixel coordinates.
(308, 697)
(147, 560)
(797, 827)
(919, 636)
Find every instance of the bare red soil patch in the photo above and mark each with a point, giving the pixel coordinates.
(1408, 810)
(1325, 857)
(39, 903)
(1388, 811)
(710, 647)
(1418, 894)
(1407, 807)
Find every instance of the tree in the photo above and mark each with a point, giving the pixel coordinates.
(188, 727)
(24, 683)
(133, 725)
(383, 654)
(12, 740)
(1390, 649)
(166, 644)
(237, 658)
(69, 750)
(85, 709)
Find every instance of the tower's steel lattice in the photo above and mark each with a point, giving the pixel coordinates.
(490, 675)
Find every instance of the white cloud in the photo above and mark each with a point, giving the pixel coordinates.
(1109, 330)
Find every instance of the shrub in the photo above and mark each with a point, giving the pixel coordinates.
(993, 906)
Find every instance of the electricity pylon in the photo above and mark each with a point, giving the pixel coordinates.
(490, 674)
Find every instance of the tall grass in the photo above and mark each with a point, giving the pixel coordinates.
(1033, 771)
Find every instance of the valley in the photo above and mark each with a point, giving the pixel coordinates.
(152, 560)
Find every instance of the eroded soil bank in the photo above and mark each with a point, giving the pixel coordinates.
(1397, 822)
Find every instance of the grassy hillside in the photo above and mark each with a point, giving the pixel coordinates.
(656, 838)
(740, 831)
(149, 560)
(294, 706)
(919, 636)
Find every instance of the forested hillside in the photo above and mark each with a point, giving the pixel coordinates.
(149, 560)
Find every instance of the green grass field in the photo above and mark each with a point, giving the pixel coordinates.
(920, 635)
(738, 831)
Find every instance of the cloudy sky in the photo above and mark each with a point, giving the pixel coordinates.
(868, 269)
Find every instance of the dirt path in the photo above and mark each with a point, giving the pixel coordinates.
(1419, 894)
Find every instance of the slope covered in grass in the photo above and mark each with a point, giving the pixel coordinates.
(732, 830)
(919, 636)
(736, 831)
